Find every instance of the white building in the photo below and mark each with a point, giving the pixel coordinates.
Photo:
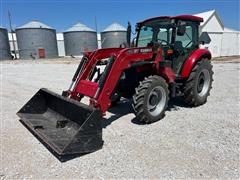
(224, 41)
(230, 43)
(60, 44)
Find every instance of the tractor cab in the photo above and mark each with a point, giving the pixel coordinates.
(178, 36)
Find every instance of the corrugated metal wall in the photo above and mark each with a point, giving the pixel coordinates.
(31, 40)
(113, 36)
(113, 39)
(78, 42)
(4, 45)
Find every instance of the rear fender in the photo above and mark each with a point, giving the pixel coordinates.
(193, 59)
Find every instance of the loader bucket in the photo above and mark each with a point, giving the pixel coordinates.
(64, 125)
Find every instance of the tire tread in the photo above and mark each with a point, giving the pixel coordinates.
(138, 97)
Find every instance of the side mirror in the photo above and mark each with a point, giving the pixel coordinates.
(181, 30)
(204, 38)
(129, 31)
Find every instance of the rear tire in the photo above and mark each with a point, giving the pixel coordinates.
(151, 99)
(199, 83)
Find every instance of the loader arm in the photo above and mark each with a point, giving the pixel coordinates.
(121, 62)
(121, 59)
(92, 59)
(95, 56)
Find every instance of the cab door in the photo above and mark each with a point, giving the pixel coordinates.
(185, 43)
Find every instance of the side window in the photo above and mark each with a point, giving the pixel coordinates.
(163, 34)
(187, 39)
(145, 36)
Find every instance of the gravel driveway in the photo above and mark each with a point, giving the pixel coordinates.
(201, 142)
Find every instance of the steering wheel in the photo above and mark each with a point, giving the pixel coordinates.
(163, 41)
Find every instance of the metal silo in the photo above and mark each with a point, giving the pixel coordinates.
(36, 40)
(4, 44)
(78, 39)
(113, 36)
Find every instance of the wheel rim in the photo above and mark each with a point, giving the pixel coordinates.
(203, 82)
(156, 101)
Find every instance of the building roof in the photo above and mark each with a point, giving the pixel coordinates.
(207, 16)
(114, 27)
(230, 30)
(34, 25)
(79, 27)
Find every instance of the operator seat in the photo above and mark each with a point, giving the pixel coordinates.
(179, 56)
(178, 45)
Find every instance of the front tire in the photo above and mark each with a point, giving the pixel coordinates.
(199, 83)
(151, 99)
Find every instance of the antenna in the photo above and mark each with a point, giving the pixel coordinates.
(96, 23)
(95, 18)
(11, 31)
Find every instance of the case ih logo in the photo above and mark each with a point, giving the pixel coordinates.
(133, 51)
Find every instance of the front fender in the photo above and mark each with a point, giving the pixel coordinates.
(192, 60)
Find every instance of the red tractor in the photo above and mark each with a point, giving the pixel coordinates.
(163, 61)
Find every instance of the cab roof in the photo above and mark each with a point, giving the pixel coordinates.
(183, 17)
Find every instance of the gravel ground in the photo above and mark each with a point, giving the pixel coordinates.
(200, 142)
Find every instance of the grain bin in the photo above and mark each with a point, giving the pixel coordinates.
(4, 44)
(113, 36)
(36, 40)
(78, 39)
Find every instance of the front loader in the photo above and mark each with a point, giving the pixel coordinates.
(164, 61)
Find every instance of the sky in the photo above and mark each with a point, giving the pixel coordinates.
(62, 14)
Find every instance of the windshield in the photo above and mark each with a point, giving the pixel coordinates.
(157, 30)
